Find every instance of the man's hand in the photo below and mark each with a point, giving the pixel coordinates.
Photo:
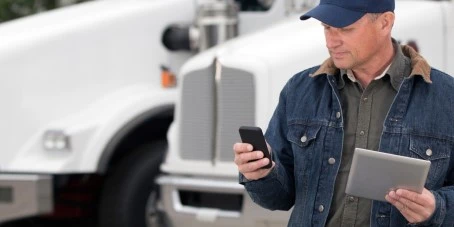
(413, 206)
(244, 157)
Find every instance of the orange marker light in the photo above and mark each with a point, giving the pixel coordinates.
(168, 79)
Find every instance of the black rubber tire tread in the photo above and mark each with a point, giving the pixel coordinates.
(128, 186)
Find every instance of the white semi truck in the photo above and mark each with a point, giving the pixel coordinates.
(84, 109)
(238, 83)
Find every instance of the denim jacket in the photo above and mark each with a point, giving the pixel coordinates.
(421, 117)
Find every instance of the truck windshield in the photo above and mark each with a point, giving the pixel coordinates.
(255, 5)
(13, 9)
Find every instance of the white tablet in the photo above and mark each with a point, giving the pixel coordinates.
(373, 174)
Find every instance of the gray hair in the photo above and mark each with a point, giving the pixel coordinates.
(374, 16)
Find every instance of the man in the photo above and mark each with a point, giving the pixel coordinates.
(371, 93)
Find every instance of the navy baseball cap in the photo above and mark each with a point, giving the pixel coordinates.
(342, 13)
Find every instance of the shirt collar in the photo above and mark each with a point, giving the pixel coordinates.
(352, 77)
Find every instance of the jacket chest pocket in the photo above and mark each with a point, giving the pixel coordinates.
(435, 150)
(303, 139)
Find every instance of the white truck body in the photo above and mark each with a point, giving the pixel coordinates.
(78, 82)
(238, 83)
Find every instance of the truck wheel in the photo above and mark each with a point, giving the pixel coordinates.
(129, 194)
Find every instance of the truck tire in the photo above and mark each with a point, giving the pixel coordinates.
(130, 193)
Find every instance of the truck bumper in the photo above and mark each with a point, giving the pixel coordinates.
(24, 195)
(207, 203)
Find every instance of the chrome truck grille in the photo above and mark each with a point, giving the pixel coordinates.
(235, 107)
(212, 110)
(197, 111)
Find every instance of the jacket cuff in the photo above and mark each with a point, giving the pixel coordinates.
(242, 179)
(271, 175)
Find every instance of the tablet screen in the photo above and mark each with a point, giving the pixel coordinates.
(373, 174)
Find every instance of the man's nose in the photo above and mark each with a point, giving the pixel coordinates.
(332, 39)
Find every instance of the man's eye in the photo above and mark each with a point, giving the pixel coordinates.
(325, 26)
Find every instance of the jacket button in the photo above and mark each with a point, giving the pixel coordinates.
(351, 199)
(338, 115)
(304, 139)
(331, 161)
(429, 152)
(321, 208)
(362, 133)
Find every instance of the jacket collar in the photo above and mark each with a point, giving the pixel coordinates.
(419, 65)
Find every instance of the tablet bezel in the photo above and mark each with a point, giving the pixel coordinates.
(373, 174)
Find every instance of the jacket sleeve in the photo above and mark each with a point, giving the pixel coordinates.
(444, 202)
(444, 205)
(276, 191)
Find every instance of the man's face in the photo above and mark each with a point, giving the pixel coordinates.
(354, 46)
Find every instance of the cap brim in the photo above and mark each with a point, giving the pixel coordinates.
(333, 15)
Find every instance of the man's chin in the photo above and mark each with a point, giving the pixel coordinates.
(341, 65)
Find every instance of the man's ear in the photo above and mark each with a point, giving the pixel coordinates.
(387, 21)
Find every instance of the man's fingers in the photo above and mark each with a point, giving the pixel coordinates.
(423, 199)
(414, 206)
(242, 147)
(410, 205)
(250, 162)
(243, 158)
(404, 209)
(253, 166)
(258, 174)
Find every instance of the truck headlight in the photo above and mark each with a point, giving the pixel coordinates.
(56, 140)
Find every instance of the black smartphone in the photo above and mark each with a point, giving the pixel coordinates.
(254, 136)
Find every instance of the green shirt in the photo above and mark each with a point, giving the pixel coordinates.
(364, 112)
